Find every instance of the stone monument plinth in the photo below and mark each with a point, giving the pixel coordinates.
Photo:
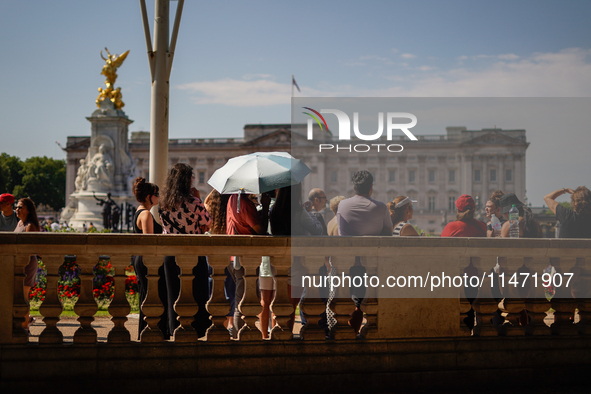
(107, 168)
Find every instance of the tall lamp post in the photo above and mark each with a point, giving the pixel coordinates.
(160, 60)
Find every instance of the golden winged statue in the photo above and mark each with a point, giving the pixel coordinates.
(112, 63)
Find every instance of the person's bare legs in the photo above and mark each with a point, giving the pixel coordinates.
(266, 299)
(356, 319)
(27, 290)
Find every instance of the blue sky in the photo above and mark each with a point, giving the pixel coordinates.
(234, 61)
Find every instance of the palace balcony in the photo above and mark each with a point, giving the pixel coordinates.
(406, 343)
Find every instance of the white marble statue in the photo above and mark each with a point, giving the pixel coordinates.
(100, 170)
(81, 176)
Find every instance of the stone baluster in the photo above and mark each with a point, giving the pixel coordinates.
(281, 305)
(484, 305)
(312, 305)
(563, 303)
(185, 306)
(20, 307)
(343, 305)
(51, 308)
(86, 306)
(582, 279)
(152, 306)
(465, 305)
(514, 302)
(218, 306)
(250, 306)
(537, 305)
(119, 307)
(370, 302)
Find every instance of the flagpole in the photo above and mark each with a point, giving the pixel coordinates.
(291, 101)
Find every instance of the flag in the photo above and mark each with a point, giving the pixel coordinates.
(294, 83)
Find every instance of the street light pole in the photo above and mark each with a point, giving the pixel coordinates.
(160, 59)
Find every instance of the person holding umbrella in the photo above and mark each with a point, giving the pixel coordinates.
(243, 176)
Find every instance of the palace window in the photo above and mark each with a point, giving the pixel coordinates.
(392, 176)
(451, 203)
(452, 176)
(431, 203)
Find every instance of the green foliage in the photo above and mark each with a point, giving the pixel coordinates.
(44, 181)
(564, 204)
(10, 173)
(422, 232)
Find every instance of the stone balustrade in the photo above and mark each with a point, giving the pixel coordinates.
(408, 315)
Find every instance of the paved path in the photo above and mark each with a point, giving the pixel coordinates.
(69, 325)
(102, 325)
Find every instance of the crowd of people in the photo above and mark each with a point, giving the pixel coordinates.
(282, 212)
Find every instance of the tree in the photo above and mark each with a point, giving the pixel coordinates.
(564, 204)
(44, 181)
(10, 173)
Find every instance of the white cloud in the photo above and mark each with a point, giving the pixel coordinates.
(250, 77)
(508, 56)
(232, 92)
(562, 74)
(408, 56)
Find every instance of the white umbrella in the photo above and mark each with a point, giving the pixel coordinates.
(258, 173)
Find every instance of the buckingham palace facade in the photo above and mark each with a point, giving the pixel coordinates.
(434, 170)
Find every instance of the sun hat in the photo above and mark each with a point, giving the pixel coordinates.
(507, 201)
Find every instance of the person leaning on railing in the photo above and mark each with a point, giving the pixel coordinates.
(401, 211)
(182, 212)
(465, 225)
(144, 223)
(288, 217)
(493, 207)
(528, 226)
(576, 222)
(216, 205)
(26, 212)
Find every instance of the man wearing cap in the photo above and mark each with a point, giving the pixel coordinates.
(465, 225)
(8, 219)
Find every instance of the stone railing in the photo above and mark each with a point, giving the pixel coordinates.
(386, 318)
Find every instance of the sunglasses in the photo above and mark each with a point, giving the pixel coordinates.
(19, 207)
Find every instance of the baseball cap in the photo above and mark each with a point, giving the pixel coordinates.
(464, 202)
(7, 197)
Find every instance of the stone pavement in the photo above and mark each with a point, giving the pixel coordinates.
(102, 325)
(68, 325)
